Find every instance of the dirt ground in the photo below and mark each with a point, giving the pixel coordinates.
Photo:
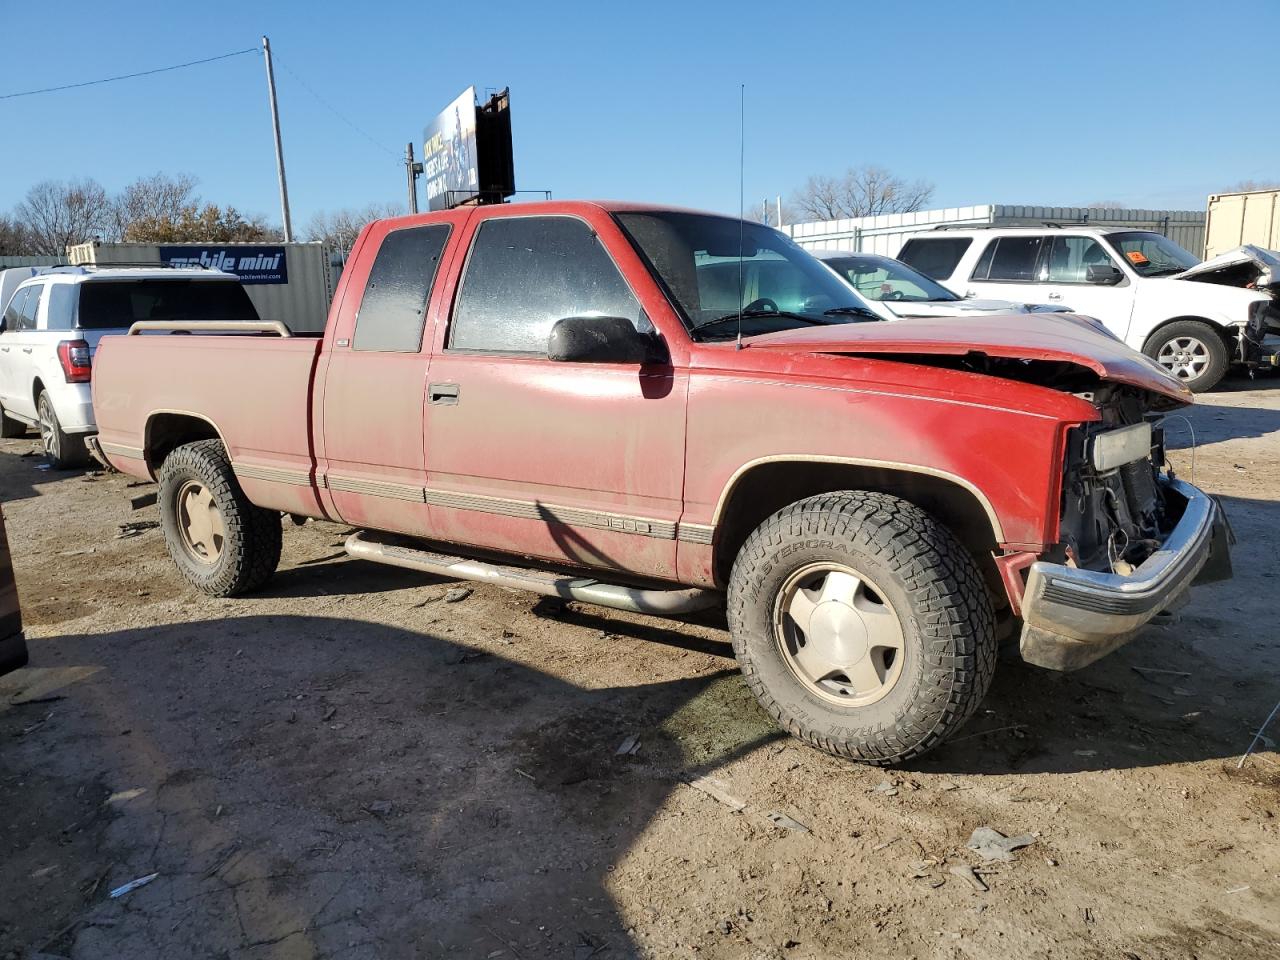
(347, 765)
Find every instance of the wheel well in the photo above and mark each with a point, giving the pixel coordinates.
(168, 431)
(1222, 331)
(37, 388)
(765, 489)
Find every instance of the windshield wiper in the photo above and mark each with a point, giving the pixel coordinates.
(751, 314)
(851, 312)
(1160, 272)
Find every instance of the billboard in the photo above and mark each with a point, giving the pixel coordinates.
(449, 154)
(267, 264)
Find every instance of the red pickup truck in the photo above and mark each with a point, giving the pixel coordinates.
(651, 409)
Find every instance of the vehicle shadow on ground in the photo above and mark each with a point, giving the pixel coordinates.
(1205, 423)
(22, 484)
(363, 800)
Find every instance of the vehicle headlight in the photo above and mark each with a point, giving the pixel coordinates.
(1117, 447)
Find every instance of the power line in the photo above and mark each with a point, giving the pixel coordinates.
(334, 110)
(129, 76)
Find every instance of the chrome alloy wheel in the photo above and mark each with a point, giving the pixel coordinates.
(838, 634)
(1184, 357)
(200, 525)
(48, 428)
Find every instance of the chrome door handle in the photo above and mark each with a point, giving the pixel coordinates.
(1055, 296)
(970, 294)
(26, 349)
(5, 349)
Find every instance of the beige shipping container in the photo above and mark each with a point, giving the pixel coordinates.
(301, 300)
(1234, 219)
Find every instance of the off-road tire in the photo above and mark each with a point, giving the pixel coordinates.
(11, 428)
(64, 450)
(931, 581)
(1219, 355)
(251, 545)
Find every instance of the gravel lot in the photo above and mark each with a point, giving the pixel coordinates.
(347, 765)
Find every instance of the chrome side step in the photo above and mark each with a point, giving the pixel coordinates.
(585, 589)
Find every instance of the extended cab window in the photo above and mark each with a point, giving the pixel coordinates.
(1071, 257)
(525, 273)
(935, 257)
(394, 305)
(1009, 259)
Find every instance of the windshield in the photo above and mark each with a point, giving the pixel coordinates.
(775, 284)
(1151, 254)
(110, 304)
(880, 278)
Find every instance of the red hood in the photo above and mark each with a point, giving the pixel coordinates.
(1061, 337)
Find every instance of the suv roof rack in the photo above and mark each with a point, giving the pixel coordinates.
(1054, 224)
(116, 264)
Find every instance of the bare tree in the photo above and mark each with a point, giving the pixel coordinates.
(155, 199)
(339, 228)
(56, 214)
(14, 240)
(1248, 186)
(865, 191)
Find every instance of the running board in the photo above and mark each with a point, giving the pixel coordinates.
(662, 603)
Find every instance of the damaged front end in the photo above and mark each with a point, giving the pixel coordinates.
(1133, 539)
(1250, 268)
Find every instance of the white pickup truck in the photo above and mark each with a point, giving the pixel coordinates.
(51, 327)
(1194, 319)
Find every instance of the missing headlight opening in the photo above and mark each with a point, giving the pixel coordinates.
(1114, 511)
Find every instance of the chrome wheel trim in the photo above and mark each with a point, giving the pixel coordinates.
(1185, 357)
(199, 523)
(838, 634)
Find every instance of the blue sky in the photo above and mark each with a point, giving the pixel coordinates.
(1062, 104)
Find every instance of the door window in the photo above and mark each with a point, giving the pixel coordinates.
(935, 257)
(28, 308)
(1071, 257)
(394, 307)
(13, 312)
(1010, 260)
(525, 273)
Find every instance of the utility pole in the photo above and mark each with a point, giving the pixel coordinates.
(411, 171)
(275, 125)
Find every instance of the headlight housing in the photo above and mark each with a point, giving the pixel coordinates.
(1115, 448)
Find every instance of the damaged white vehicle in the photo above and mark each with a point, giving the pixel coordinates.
(1194, 319)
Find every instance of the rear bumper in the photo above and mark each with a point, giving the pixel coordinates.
(1071, 617)
(73, 403)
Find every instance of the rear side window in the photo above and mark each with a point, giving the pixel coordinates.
(118, 304)
(394, 307)
(1010, 259)
(525, 273)
(62, 306)
(935, 257)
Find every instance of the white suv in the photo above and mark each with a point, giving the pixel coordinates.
(1194, 319)
(51, 327)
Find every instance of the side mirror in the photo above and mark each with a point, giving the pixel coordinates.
(1103, 273)
(603, 340)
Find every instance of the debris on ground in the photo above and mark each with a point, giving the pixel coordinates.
(787, 823)
(328, 714)
(967, 874)
(457, 594)
(379, 807)
(132, 885)
(885, 845)
(143, 500)
(628, 748)
(886, 787)
(715, 788)
(993, 845)
(135, 528)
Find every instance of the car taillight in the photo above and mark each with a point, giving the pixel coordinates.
(74, 357)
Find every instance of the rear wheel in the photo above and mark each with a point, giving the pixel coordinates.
(1192, 351)
(64, 450)
(222, 544)
(862, 625)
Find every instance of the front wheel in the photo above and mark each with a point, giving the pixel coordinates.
(222, 544)
(862, 625)
(1192, 351)
(64, 450)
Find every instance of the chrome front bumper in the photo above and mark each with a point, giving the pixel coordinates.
(1071, 617)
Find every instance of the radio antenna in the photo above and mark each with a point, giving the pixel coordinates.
(742, 209)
